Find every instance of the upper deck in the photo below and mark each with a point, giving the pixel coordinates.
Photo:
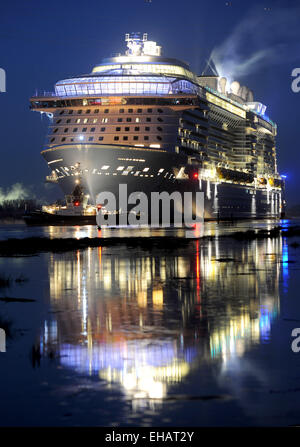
(143, 74)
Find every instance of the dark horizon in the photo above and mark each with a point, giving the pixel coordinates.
(42, 43)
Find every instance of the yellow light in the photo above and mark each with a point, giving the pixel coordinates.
(225, 105)
(158, 298)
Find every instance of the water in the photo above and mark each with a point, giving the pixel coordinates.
(124, 336)
(18, 229)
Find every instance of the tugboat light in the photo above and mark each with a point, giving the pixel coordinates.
(76, 203)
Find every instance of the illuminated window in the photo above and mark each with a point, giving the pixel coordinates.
(145, 169)
(95, 120)
(137, 120)
(78, 120)
(85, 120)
(105, 167)
(120, 168)
(104, 120)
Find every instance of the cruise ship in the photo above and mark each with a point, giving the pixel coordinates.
(149, 122)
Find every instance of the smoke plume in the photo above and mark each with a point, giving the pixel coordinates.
(263, 38)
(15, 192)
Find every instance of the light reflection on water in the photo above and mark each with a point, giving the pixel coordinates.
(20, 230)
(144, 321)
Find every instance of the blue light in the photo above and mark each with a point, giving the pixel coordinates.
(285, 264)
(284, 176)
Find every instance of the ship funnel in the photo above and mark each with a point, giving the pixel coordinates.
(243, 93)
(235, 87)
(222, 85)
(250, 96)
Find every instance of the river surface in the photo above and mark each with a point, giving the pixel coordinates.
(123, 336)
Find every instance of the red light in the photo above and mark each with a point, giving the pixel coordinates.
(195, 175)
(76, 203)
(99, 207)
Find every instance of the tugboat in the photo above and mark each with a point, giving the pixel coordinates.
(77, 211)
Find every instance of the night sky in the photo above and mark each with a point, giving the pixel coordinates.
(42, 42)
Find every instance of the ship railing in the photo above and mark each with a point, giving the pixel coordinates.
(264, 117)
(103, 95)
(43, 94)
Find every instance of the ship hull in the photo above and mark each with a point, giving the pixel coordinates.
(43, 218)
(99, 169)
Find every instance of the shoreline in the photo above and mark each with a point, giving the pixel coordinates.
(34, 245)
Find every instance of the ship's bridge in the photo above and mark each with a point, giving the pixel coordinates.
(141, 71)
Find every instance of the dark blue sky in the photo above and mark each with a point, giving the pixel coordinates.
(42, 42)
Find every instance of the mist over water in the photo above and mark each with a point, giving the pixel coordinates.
(14, 192)
(262, 39)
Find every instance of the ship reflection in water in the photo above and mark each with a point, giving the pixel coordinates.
(144, 321)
